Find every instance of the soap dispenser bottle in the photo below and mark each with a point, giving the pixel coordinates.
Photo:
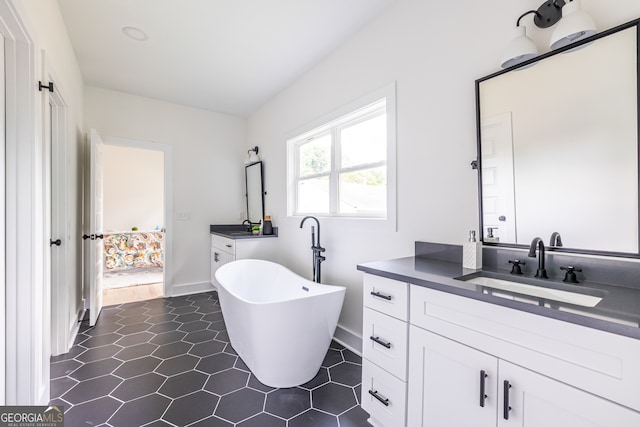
(472, 253)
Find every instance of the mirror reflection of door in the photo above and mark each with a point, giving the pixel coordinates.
(498, 204)
(255, 200)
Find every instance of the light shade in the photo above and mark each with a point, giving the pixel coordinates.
(521, 48)
(252, 156)
(575, 25)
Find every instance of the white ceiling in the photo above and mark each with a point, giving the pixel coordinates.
(229, 56)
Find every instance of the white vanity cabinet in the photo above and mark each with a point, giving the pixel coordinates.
(455, 385)
(385, 345)
(225, 249)
(473, 363)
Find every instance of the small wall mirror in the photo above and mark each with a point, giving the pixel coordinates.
(558, 148)
(255, 192)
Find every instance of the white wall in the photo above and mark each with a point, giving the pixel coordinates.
(133, 188)
(435, 52)
(208, 156)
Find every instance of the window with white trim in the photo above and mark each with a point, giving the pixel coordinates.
(345, 167)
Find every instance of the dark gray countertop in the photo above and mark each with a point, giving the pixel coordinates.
(238, 231)
(619, 307)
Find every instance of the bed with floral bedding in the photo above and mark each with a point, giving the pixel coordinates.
(133, 249)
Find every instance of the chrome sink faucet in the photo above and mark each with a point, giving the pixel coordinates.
(541, 273)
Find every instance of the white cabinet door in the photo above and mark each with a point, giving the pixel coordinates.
(538, 401)
(450, 384)
(218, 259)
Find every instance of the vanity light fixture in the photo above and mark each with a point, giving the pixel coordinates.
(521, 48)
(576, 25)
(252, 156)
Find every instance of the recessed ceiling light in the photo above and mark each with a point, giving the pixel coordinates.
(135, 34)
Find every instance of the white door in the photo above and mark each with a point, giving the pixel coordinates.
(95, 231)
(537, 401)
(498, 199)
(450, 384)
(55, 139)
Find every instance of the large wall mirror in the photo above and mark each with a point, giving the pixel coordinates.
(558, 148)
(255, 192)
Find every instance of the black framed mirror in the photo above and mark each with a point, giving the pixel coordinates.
(558, 148)
(254, 181)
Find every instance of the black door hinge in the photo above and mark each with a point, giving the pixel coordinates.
(49, 86)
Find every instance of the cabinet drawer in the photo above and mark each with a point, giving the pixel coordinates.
(386, 295)
(223, 243)
(385, 342)
(599, 362)
(388, 409)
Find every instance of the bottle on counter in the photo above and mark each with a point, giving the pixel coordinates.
(472, 252)
(267, 226)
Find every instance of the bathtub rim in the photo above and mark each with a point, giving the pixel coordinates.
(326, 288)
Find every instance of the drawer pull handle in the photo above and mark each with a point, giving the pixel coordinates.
(379, 341)
(381, 399)
(379, 295)
(483, 396)
(228, 246)
(506, 408)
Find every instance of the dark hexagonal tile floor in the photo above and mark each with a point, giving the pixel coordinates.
(168, 362)
(288, 402)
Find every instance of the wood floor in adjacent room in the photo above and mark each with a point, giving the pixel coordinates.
(131, 294)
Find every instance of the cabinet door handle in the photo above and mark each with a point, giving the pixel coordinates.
(216, 257)
(379, 341)
(380, 398)
(483, 396)
(379, 295)
(505, 407)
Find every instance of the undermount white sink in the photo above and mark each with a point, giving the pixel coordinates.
(559, 295)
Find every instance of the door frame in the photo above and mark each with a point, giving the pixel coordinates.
(24, 217)
(167, 149)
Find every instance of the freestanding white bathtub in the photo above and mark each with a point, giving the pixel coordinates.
(279, 323)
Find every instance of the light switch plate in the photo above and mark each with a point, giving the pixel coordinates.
(183, 216)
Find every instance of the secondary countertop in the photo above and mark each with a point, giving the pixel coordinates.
(617, 310)
(238, 231)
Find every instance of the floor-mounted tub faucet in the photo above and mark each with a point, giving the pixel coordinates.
(315, 247)
(541, 273)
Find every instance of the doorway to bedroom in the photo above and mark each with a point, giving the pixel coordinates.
(134, 224)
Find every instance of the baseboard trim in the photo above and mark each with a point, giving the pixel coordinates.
(191, 288)
(349, 339)
(74, 329)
